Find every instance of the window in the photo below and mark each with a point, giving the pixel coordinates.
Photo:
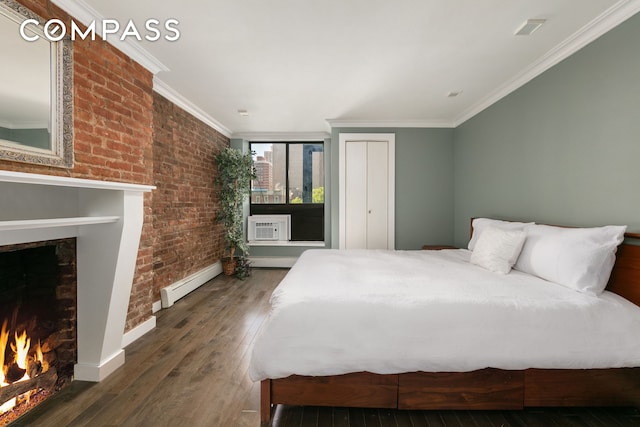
(290, 180)
(301, 163)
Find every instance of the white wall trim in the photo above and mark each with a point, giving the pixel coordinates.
(616, 14)
(172, 95)
(168, 92)
(96, 373)
(345, 123)
(272, 261)
(606, 21)
(170, 294)
(281, 136)
(84, 13)
(342, 140)
(609, 19)
(156, 306)
(137, 332)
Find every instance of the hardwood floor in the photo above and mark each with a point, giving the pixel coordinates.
(192, 371)
(350, 417)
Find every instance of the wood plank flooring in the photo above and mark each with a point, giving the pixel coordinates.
(296, 416)
(192, 371)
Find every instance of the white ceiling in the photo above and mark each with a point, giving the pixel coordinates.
(293, 64)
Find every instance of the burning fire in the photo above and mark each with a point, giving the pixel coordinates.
(20, 366)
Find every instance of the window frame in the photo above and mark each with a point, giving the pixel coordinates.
(307, 219)
(287, 177)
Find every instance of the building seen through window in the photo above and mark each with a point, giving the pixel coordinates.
(301, 163)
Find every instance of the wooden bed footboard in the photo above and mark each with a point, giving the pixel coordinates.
(478, 390)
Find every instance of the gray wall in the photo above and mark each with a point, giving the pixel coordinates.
(37, 138)
(564, 148)
(424, 189)
(424, 185)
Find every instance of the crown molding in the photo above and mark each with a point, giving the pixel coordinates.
(609, 19)
(84, 13)
(345, 123)
(281, 136)
(168, 92)
(612, 17)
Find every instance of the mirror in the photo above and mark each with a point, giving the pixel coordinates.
(36, 92)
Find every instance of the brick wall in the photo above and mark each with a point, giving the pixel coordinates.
(113, 115)
(187, 236)
(112, 112)
(123, 131)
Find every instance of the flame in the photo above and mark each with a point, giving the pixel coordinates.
(4, 337)
(20, 347)
(40, 357)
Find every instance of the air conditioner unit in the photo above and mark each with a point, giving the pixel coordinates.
(269, 228)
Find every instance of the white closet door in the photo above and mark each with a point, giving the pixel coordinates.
(377, 195)
(366, 191)
(355, 187)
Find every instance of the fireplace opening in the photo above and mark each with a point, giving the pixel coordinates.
(37, 323)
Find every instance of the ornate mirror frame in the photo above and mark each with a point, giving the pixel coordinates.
(60, 152)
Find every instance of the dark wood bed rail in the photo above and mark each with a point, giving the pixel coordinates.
(485, 389)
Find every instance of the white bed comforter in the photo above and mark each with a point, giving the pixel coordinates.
(401, 311)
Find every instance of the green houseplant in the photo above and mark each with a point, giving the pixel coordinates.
(235, 172)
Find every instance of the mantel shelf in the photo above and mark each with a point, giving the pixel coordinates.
(31, 224)
(60, 181)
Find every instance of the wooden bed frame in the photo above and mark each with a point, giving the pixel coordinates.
(482, 389)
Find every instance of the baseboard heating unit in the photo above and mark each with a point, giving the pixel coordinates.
(177, 290)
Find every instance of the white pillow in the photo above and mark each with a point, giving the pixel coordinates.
(578, 258)
(480, 224)
(497, 249)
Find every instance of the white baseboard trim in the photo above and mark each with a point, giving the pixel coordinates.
(177, 290)
(97, 373)
(137, 332)
(272, 261)
(171, 294)
(156, 306)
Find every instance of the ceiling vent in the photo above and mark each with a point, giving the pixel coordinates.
(529, 26)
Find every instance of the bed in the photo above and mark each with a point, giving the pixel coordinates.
(451, 330)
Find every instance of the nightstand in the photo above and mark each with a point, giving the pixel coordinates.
(437, 247)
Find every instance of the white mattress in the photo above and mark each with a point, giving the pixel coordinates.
(389, 312)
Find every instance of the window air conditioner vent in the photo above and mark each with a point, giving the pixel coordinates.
(269, 227)
(266, 231)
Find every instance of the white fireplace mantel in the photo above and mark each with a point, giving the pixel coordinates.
(106, 218)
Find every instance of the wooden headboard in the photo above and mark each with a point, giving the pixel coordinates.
(625, 276)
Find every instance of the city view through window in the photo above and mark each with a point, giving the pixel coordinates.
(301, 163)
